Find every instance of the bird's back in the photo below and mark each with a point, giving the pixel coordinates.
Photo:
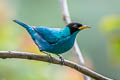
(51, 35)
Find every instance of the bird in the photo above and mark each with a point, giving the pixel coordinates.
(54, 40)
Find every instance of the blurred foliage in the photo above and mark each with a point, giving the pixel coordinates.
(110, 25)
(6, 27)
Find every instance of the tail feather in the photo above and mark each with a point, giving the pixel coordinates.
(28, 28)
(22, 24)
(39, 41)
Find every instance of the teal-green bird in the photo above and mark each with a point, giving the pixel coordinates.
(54, 40)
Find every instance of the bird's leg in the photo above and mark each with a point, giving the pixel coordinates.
(62, 59)
(50, 57)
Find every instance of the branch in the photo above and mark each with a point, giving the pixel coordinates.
(37, 57)
(67, 20)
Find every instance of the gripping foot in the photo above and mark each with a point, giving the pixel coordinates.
(50, 57)
(62, 59)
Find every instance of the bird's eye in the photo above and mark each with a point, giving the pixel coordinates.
(75, 26)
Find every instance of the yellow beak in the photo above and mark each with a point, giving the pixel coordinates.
(84, 27)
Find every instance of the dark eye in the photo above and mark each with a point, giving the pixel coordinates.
(75, 26)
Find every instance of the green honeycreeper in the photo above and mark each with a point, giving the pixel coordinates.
(54, 40)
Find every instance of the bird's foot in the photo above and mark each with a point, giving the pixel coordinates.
(62, 59)
(50, 57)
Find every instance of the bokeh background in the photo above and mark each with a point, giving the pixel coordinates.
(100, 45)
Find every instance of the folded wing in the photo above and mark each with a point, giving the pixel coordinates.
(51, 35)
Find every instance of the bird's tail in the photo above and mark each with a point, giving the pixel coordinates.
(22, 24)
(29, 28)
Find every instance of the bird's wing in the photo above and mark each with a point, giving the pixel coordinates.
(51, 35)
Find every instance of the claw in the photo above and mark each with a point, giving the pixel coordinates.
(62, 59)
(50, 57)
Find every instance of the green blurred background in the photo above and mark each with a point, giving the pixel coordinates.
(100, 45)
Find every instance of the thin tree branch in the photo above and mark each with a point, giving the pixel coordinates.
(37, 57)
(67, 20)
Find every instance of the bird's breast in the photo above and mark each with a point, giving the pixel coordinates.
(63, 45)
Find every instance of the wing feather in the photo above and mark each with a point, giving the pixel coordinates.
(51, 35)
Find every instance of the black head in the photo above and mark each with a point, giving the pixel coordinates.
(76, 27)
